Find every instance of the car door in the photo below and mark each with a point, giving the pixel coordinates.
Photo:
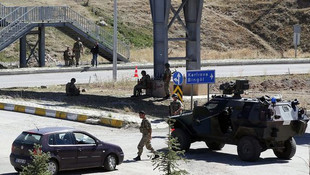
(89, 151)
(64, 149)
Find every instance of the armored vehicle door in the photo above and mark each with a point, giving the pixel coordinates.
(206, 118)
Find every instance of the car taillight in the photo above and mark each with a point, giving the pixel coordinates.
(37, 151)
(172, 129)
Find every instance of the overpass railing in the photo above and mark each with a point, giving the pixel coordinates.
(18, 18)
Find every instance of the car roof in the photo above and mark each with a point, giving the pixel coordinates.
(48, 130)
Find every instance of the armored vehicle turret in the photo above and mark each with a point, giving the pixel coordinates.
(254, 125)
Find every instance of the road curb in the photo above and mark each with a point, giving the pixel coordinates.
(60, 114)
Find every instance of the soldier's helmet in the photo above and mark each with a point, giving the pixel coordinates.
(143, 72)
(167, 65)
(73, 80)
(141, 112)
(174, 95)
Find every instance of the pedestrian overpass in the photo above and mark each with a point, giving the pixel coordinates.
(18, 22)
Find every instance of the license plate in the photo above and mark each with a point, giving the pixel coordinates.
(22, 161)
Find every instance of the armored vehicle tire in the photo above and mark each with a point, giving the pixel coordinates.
(215, 145)
(183, 139)
(288, 151)
(248, 149)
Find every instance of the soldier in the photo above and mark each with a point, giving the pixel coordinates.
(78, 48)
(166, 78)
(146, 131)
(176, 106)
(71, 89)
(142, 84)
(67, 56)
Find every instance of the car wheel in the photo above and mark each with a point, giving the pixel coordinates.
(288, 151)
(215, 145)
(110, 162)
(183, 139)
(248, 149)
(52, 167)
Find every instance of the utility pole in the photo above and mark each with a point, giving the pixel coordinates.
(115, 42)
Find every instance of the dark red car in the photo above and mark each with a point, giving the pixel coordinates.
(69, 148)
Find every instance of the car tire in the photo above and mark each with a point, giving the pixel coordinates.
(215, 145)
(249, 149)
(52, 167)
(288, 151)
(110, 162)
(183, 139)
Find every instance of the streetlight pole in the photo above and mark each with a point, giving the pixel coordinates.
(115, 42)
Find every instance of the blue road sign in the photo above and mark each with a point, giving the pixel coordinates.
(200, 76)
(177, 78)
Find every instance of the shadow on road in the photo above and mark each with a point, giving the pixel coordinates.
(225, 158)
(96, 101)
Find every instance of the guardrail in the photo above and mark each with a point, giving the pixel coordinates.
(56, 14)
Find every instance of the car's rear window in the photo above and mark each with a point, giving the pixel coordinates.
(29, 138)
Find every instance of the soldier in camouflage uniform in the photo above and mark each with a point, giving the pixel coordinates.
(78, 48)
(146, 131)
(176, 106)
(167, 78)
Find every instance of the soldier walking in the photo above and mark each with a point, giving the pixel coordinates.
(167, 78)
(78, 48)
(176, 106)
(146, 130)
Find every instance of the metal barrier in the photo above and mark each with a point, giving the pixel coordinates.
(16, 18)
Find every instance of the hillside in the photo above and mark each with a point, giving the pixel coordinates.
(229, 29)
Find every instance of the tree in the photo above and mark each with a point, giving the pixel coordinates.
(39, 162)
(168, 160)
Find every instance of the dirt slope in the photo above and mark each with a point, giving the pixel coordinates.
(229, 29)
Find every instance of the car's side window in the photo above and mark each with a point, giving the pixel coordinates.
(82, 138)
(61, 139)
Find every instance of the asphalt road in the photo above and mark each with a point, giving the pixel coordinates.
(31, 80)
(201, 161)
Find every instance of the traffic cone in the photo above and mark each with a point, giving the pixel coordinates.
(136, 72)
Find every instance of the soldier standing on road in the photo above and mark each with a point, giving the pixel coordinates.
(78, 48)
(95, 51)
(146, 130)
(176, 106)
(167, 78)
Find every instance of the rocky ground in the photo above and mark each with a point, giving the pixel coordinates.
(116, 97)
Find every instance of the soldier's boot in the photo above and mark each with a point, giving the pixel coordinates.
(137, 158)
(155, 157)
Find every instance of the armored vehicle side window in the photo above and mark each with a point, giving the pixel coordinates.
(246, 110)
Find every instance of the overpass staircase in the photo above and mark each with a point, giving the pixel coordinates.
(16, 22)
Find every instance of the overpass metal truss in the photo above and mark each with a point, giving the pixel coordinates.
(192, 10)
(17, 22)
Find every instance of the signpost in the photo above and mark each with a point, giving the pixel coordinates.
(200, 77)
(296, 37)
(178, 80)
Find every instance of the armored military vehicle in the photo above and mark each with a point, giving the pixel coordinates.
(254, 125)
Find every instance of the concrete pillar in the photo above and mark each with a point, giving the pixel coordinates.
(160, 13)
(42, 46)
(192, 12)
(22, 52)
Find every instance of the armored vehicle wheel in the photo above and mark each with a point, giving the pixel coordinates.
(249, 149)
(215, 145)
(183, 139)
(288, 151)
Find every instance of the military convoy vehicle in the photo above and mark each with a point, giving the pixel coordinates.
(254, 125)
